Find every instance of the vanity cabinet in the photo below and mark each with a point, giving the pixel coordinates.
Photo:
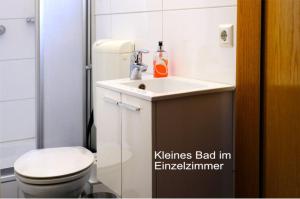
(195, 123)
(130, 129)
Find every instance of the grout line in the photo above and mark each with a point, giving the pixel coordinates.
(17, 140)
(200, 8)
(16, 100)
(162, 20)
(17, 59)
(133, 12)
(167, 10)
(19, 18)
(111, 22)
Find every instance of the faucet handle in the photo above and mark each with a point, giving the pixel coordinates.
(138, 56)
(141, 51)
(136, 64)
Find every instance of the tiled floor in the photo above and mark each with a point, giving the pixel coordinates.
(10, 190)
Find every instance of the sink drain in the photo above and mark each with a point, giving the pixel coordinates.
(142, 86)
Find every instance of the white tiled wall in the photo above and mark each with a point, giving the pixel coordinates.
(186, 4)
(121, 6)
(17, 120)
(10, 151)
(140, 28)
(13, 9)
(17, 80)
(18, 42)
(102, 7)
(189, 29)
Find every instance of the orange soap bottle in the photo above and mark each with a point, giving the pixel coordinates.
(160, 62)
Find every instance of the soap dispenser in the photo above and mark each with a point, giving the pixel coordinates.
(160, 62)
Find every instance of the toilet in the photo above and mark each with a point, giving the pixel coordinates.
(63, 172)
(54, 172)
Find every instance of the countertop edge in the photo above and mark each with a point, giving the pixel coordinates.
(228, 88)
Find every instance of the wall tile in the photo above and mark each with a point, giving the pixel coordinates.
(183, 4)
(118, 6)
(102, 7)
(17, 120)
(17, 79)
(103, 26)
(17, 8)
(145, 29)
(9, 152)
(18, 41)
(190, 35)
(192, 39)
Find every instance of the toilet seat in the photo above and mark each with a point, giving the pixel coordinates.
(53, 165)
(51, 181)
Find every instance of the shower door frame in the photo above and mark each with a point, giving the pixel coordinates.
(39, 78)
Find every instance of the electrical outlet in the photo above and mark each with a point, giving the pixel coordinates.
(226, 35)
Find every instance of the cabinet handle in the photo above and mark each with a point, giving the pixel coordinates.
(129, 106)
(111, 101)
(121, 104)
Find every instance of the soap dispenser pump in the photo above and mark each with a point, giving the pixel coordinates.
(160, 62)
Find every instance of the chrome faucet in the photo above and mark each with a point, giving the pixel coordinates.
(136, 65)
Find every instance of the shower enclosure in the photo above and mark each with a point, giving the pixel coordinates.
(43, 77)
(18, 79)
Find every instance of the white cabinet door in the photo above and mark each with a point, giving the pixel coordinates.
(108, 124)
(136, 148)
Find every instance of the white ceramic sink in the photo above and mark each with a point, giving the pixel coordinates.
(153, 89)
(164, 85)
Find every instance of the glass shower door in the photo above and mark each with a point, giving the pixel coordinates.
(18, 83)
(18, 86)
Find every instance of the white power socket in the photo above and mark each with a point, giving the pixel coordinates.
(226, 35)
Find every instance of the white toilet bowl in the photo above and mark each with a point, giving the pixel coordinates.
(54, 173)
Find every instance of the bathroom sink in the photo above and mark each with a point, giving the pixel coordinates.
(164, 85)
(152, 89)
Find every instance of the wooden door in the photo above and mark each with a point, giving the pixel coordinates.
(247, 113)
(281, 108)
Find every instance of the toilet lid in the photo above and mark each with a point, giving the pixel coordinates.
(53, 162)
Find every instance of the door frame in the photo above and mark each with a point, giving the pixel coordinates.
(248, 98)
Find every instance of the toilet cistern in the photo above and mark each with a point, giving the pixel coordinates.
(136, 65)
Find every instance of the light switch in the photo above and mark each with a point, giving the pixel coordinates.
(226, 35)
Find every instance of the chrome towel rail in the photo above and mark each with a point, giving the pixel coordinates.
(30, 20)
